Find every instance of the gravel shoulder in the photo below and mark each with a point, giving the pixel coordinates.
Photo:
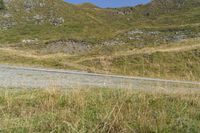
(19, 77)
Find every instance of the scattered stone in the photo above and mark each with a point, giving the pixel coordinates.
(57, 21)
(39, 19)
(30, 41)
(125, 11)
(28, 5)
(67, 46)
(42, 4)
(6, 24)
(7, 15)
(113, 43)
(135, 32)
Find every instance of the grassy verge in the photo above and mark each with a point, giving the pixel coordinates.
(28, 59)
(98, 110)
(178, 60)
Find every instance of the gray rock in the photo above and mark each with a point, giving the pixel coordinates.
(28, 5)
(57, 21)
(6, 24)
(30, 41)
(113, 42)
(137, 31)
(67, 46)
(7, 15)
(39, 19)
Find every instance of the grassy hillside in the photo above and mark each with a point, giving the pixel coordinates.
(99, 110)
(53, 20)
(173, 61)
(177, 60)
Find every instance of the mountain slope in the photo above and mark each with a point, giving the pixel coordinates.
(47, 20)
(130, 41)
(55, 19)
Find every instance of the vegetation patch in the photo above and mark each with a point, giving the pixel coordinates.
(98, 110)
(2, 6)
(182, 65)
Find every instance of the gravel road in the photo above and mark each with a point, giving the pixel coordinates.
(22, 77)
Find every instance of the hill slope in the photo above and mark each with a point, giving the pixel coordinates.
(53, 33)
(56, 19)
(51, 19)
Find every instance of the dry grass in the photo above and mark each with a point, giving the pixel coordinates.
(99, 110)
(177, 60)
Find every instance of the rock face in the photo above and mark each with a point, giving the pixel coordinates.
(67, 46)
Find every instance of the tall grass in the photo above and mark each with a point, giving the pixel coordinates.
(99, 110)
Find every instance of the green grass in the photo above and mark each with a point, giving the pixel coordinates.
(2, 6)
(99, 110)
(87, 24)
(182, 65)
(10, 58)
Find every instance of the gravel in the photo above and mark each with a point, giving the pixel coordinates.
(21, 77)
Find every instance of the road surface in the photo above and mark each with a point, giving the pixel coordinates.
(23, 77)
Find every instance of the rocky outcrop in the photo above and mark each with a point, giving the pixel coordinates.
(6, 20)
(113, 42)
(143, 37)
(39, 19)
(6, 24)
(67, 47)
(57, 21)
